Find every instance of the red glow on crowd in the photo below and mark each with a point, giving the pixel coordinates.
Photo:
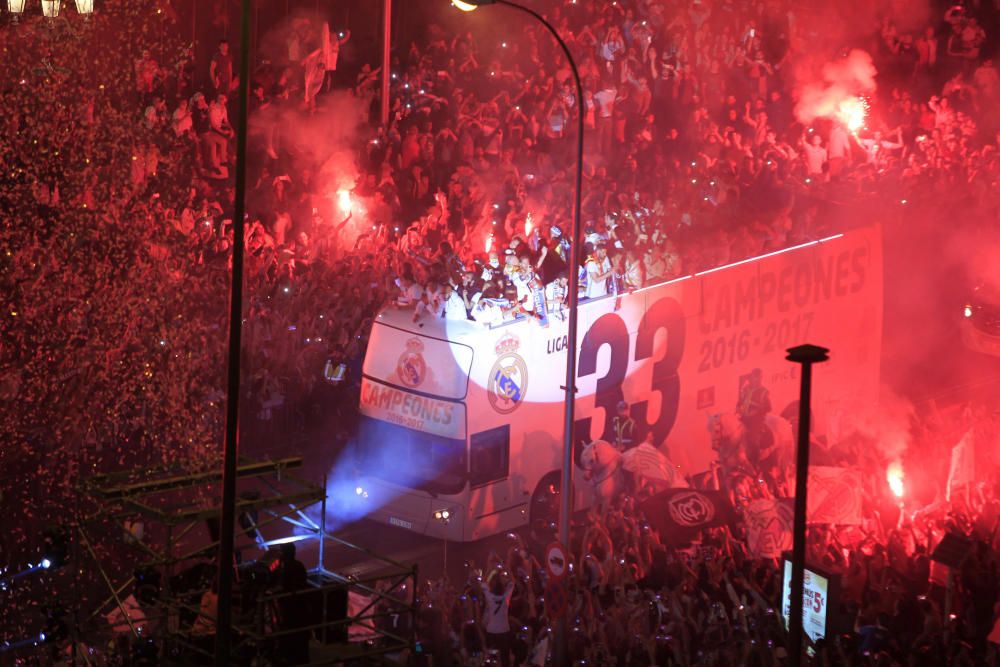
(715, 132)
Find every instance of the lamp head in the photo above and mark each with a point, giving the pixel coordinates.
(50, 8)
(469, 5)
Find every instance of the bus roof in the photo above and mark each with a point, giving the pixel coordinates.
(434, 327)
(461, 330)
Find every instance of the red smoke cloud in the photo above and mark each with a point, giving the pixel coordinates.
(839, 91)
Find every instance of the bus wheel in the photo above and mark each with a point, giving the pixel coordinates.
(543, 513)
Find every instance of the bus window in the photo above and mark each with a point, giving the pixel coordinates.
(489, 455)
(412, 458)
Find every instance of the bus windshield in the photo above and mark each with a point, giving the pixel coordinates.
(411, 458)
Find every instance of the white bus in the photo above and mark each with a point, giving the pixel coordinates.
(462, 423)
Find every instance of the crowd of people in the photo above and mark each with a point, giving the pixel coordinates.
(637, 596)
(117, 234)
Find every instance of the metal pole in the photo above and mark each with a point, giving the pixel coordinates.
(223, 636)
(806, 355)
(566, 482)
(322, 529)
(386, 65)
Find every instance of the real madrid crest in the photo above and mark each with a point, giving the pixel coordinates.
(691, 509)
(411, 367)
(508, 380)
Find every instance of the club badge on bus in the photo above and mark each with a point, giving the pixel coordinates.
(508, 380)
(411, 368)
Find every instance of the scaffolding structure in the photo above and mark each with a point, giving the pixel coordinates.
(156, 512)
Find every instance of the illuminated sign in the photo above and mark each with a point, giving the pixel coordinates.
(421, 413)
(816, 593)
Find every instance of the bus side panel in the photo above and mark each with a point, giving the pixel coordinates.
(676, 353)
(679, 351)
(535, 449)
(828, 294)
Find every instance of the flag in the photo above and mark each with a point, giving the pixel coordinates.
(963, 466)
(538, 300)
(679, 514)
(834, 496)
(769, 527)
(649, 462)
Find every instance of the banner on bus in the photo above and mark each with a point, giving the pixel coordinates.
(681, 352)
(420, 413)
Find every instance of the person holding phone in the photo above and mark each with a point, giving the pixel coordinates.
(332, 41)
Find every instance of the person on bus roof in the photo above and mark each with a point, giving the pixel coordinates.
(410, 292)
(598, 272)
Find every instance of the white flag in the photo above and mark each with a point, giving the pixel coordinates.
(651, 463)
(963, 463)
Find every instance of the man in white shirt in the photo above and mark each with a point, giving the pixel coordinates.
(815, 155)
(656, 264)
(181, 120)
(556, 295)
(605, 100)
(218, 118)
(838, 148)
(492, 268)
(497, 595)
(432, 302)
(454, 305)
(598, 271)
(409, 292)
(522, 283)
(331, 52)
(876, 149)
(487, 311)
(634, 270)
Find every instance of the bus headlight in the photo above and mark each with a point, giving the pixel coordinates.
(967, 311)
(358, 490)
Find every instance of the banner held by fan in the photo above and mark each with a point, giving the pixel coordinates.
(679, 515)
(834, 496)
(769, 527)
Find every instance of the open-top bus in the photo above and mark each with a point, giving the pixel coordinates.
(464, 422)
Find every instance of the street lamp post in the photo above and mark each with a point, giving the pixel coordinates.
(566, 483)
(224, 615)
(444, 516)
(806, 355)
(386, 61)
